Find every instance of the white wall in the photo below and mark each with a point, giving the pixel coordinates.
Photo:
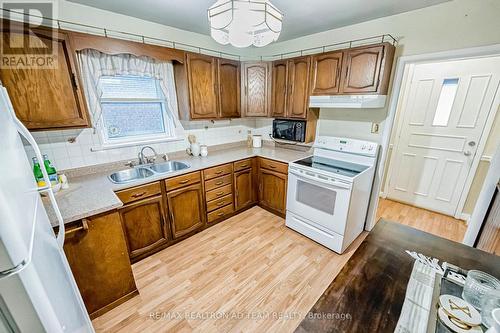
(77, 13)
(451, 25)
(67, 155)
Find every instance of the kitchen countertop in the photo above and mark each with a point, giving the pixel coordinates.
(94, 193)
(368, 293)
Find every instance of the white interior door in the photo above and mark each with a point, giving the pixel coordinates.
(444, 113)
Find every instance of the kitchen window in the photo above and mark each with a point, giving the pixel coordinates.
(133, 108)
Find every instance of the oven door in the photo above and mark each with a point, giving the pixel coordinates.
(322, 200)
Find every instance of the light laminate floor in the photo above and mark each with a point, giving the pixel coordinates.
(422, 219)
(247, 274)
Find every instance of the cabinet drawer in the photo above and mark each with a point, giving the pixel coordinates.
(184, 180)
(219, 192)
(243, 164)
(218, 182)
(139, 192)
(273, 165)
(221, 202)
(220, 213)
(217, 171)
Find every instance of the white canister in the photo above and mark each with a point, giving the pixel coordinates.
(194, 149)
(203, 150)
(257, 141)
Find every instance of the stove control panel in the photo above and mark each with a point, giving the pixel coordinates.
(346, 145)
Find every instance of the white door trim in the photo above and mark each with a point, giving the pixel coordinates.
(401, 63)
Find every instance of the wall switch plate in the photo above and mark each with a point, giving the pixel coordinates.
(375, 127)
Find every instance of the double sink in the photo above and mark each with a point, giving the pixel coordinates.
(146, 171)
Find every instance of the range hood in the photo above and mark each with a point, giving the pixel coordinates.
(348, 101)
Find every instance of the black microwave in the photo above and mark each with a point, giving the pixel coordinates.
(290, 130)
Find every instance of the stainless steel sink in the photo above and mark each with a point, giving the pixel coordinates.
(167, 167)
(130, 175)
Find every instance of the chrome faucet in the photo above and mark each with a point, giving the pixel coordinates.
(143, 159)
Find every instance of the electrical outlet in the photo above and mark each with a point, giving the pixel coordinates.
(375, 127)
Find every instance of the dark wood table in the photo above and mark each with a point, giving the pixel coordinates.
(368, 293)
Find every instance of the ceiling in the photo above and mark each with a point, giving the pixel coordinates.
(301, 17)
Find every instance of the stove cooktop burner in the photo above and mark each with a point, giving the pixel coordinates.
(334, 166)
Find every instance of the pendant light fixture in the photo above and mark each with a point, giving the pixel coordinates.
(242, 23)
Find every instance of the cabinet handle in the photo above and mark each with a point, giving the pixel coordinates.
(219, 182)
(219, 193)
(138, 195)
(220, 203)
(243, 165)
(272, 166)
(220, 214)
(83, 227)
(219, 172)
(183, 181)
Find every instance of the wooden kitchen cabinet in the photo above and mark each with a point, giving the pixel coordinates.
(273, 180)
(279, 88)
(272, 190)
(48, 97)
(201, 76)
(186, 209)
(367, 69)
(97, 254)
(145, 226)
(291, 87)
(243, 189)
(326, 71)
(298, 93)
(229, 88)
(208, 87)
(256, 89)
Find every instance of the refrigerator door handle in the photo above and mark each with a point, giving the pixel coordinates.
(47, 188)
(23, 264)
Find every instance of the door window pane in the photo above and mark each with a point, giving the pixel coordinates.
(445, 102)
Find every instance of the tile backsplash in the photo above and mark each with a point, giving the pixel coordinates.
(72, 148)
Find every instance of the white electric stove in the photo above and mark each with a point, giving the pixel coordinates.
(329, 192)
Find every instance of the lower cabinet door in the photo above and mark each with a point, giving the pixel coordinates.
(243, 189)
(97, 254)
(144, 225)
(272, 190)
(186, 209)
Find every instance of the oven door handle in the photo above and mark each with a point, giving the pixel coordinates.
(319, 180)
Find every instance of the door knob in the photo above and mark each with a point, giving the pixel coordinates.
(467, 153)
(471, 143)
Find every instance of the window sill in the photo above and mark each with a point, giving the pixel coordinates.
(134, 143)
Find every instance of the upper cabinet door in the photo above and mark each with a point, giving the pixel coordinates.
(326, 73)
(44, 98)
(279, 88)
(298, 91)
(201, 73)
(256, 90)
(229, 88)
(362, 69)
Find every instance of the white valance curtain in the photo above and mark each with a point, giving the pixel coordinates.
(95, 64)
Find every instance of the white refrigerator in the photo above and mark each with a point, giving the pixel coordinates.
(37, 290)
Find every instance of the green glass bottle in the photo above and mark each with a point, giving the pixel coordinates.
(51, 171)
(37, 172)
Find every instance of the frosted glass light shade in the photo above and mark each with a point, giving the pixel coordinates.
(242, 23)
